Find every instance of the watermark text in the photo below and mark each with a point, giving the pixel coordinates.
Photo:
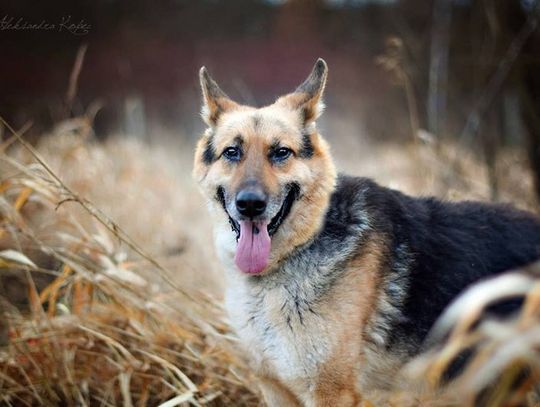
(66, 24)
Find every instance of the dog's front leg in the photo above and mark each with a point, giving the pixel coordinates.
(341, 398)
(332, 393)
(276, 394)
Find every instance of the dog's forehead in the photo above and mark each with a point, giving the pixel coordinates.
(265, 122)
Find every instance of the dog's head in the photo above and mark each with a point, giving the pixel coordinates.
(266, 171)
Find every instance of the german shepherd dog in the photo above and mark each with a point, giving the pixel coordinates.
(332, 281)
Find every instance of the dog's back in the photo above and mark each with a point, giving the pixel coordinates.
(447, 247)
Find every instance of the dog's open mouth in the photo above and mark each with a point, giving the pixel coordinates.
(253, 236)
(277, 220)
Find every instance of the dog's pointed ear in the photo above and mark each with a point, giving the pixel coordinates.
(307, 98)
(215, 101)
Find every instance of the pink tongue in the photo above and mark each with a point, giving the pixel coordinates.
(253, 247)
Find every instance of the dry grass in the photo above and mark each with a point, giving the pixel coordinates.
(109, 325)
(127, 312)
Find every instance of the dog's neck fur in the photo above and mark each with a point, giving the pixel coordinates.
(318, 261)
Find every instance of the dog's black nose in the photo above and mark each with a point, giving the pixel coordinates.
(251, 202)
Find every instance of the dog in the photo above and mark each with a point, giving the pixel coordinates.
(332, 281)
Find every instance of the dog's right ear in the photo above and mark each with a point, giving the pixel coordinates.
(215, 101)
(307, 98)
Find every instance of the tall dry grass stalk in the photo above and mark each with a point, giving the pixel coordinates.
(498, 358)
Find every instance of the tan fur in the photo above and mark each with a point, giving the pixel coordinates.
(339, 377)
(275, 393)
(321, 359)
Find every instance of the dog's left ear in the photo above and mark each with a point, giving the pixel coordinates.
(307, 98)
(215, 101)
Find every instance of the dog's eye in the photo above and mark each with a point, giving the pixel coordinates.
(232, 153)
(281, 154)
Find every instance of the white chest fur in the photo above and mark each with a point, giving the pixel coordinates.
(277, 330)
(296, 319)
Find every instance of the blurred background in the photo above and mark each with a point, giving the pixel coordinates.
(103, 233)
(462, 69)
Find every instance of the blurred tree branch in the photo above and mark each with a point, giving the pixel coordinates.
(438, 67)
(395, 61)
(73, 84)
(498, 78)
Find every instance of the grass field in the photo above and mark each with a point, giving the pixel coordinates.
(111, 293)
